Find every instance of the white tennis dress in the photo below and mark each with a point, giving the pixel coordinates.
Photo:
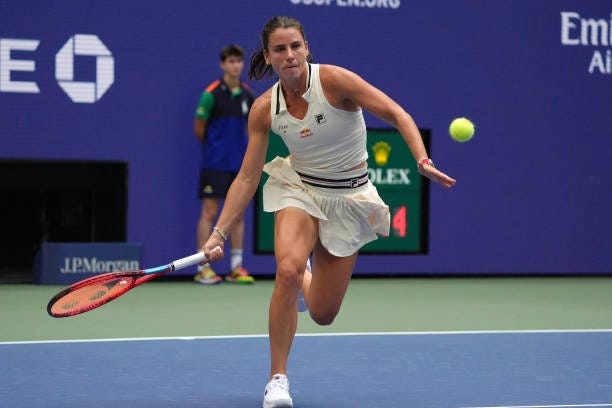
(314, 178)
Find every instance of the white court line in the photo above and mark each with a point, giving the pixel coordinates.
(248, 336)
(548, 406)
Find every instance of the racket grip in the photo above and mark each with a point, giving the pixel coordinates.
(190, 260)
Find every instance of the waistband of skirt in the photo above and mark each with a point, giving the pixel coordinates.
(357, 180)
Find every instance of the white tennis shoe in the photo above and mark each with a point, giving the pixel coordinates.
(276, 394)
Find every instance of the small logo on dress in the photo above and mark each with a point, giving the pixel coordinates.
(381, 152)
(305, 133)
(283, 128)
(245, 108)
(320, 118)
(208, 189)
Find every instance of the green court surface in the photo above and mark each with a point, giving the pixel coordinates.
(183, 308)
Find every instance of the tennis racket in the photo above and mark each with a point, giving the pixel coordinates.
(98, 290)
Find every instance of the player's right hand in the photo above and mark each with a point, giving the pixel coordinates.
(213, 249)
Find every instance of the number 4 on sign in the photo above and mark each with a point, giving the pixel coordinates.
(399, 222)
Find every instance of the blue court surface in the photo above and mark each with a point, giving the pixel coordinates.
(423, 370)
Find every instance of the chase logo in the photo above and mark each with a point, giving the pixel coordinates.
(90, 46)
(16, 67)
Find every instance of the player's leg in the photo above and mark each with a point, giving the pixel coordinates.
(324, 289)
(302, 305)
(295, 233)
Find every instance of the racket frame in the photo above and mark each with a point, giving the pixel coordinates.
(137, 278)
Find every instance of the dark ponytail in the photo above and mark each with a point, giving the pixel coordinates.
(258, 66)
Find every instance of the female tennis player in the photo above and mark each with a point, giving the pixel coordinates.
(324, 203)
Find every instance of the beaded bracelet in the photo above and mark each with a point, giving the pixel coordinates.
(221, 234)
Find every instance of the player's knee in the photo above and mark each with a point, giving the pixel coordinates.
(323, 317)
(287, 274)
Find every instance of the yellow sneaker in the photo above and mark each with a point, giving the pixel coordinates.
(207, 276)
(239, 275)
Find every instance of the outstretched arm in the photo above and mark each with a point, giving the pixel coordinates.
(348, 90)
(246, 182)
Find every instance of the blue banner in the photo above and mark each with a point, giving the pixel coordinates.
(91, 80)
(67, 263)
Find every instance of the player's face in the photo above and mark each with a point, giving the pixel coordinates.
(287, 52)
(233, 66)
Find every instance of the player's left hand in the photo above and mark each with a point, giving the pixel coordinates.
(436, 175)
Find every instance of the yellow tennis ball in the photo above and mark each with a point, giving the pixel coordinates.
(461, 129)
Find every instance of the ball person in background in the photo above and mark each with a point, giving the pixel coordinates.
(221, 126)
(324, 203)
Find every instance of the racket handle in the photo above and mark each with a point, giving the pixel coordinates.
(190, 260)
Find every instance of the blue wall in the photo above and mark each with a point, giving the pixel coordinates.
(534, 185)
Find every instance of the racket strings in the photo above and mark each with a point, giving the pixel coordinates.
(91, 296)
